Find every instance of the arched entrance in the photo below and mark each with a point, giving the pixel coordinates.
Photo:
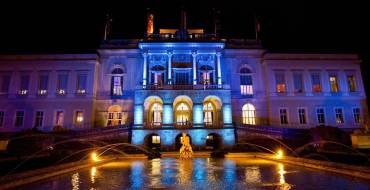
(178, 141)
(153, 141)
(249, 114)
(214, 141)
(114, 116)
(183, 111)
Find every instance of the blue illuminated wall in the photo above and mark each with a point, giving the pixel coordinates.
(167, 114)
(138, 115)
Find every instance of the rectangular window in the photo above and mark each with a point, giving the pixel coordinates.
(316, 82)
(302, 116)
(205, 77)
(23, 89)
(298, 82)
(156, 139)
(62, 84)
(356, 115)
(333, 83)
(2, 115)
(79, 117)
(320, 113)
(158, 78)
(283, 116)
(5, 83)
(117, 85)
(339, 116)
(43, 84)
(246, 85)
(280, 82)
(39, 118)
(19, 117)
(81, 83)
(351, 83)
(59, 118)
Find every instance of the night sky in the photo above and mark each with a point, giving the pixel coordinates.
(298, 26)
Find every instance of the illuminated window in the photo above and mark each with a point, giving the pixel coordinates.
(208, 113)
(5, 83)
(157, 75)
(43, 84)
(249, 114)
(298, 82)
(81, 83)
(62, 84)
(79, 117)
(59, 118)
(206, 74)
(182, 114)
(333, 83)
(117, 82)
(280, 82)
(39, 119)
(351, 83)
(339, 116)
(356, 115)
(156, 139)
(23, 90)
(19, 117)
(283, 116)
(157, 113)
(246, 83)
(302, 116)
(2, 118)
(316, 82)
(320, 114)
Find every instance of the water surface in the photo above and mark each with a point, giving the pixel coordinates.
(200, 173)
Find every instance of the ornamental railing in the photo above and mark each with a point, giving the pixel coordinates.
(185, 87)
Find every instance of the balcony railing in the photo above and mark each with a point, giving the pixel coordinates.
(186, 87)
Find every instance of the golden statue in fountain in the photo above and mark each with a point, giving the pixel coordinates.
(186, 151)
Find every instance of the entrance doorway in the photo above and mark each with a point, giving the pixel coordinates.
(153, 141)
(213, 142)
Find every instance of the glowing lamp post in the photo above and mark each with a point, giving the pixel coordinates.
(94, 157)
(279, 154)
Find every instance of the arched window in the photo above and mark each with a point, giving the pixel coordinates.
(208, 110)
(116, 82)
(246, 83)
(156, 113)
(206, 74)
(182, 114)
(249, 114)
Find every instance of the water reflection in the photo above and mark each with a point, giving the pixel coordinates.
(75, 181)
(252, 175)
(199, 173)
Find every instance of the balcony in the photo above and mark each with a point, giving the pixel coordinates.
(199, 37)
(185, 87)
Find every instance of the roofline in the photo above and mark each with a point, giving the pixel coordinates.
(55, 57)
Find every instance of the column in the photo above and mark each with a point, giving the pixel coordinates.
(194, 54)
(167, 113)
(198, 114)
(307, 83)
(145, 55)
(219, 82)
(169, 53)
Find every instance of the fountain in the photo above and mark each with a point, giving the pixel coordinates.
(186, 151)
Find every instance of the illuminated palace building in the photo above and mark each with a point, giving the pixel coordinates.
(180, 80)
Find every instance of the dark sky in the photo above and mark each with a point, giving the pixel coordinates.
(291, 25)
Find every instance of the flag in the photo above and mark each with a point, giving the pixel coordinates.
(108, 27)
(257, 27)
(150, 28)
